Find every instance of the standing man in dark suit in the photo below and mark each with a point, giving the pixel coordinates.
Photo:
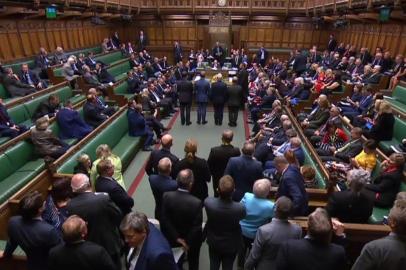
(31, 233)
(101, 214)
(219, 156)
(149, 250)
(42, 62)
(388, 252)
(315, 252)
(243, 81)
(270, 236)
(185, 96)
(292, 185)
(218, 52)
(234, 94)
(218, 97)
(107, 184)
(161, 183)
(182, 217)
(245, 170)
(177, 52)
(158, 154)
(223, 228)
(77, 253)
(142, 41)
(332, 43)
(262, 55)
(299, 66)
(202, 90)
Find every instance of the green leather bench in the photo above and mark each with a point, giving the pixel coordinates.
(398, 98)
(116, 136)
(122, 90)
(321, 182)
(18, 167)
(399, 133)
(119, 71)
(4, 94)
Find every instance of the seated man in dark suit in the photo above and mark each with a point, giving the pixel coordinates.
(31, 233)
(14, 86)
(107, 184)
(352, 205)
(7, 126)
(315, 252)
(292, 185)
(94, 115)
(28, 77)
(134, 83)
(137, 125)
(103, 75)
(108, 110)
(375, 77)
(78, 253)
(90, 61)
(149, 250)
(182, 217)
(161, 183)
(48, 108)
(90, 78)
(71, 125)
(156, 155)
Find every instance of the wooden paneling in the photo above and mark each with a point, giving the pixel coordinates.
(389, 36)
(23, 38)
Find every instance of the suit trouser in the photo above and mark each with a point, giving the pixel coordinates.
(233, 114)
(149, 136)
(246, 248)
(226, 260)
(192, 257)
(185, 113)
(201, 111)
(218, 113)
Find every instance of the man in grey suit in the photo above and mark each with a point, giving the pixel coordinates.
(271, 235)
(390, 251)
(234, 102)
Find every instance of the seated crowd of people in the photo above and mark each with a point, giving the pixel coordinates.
(242, 222)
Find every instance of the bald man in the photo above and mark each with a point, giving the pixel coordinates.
(158, 154)
(103, 217)
(77, 253)
(161, 183)
(219, 157)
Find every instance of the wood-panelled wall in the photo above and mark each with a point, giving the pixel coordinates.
(391, 37)
(254, 34)
(23, 38)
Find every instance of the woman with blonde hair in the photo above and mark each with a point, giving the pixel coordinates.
(199, 167)
(103, 151)
(383, 123)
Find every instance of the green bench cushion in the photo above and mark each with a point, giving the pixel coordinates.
(110, 57)
(4, 94)
(399, 133)
(121, 89)
(126, 147)
(399, 93)
(16, 67)
(396, 104)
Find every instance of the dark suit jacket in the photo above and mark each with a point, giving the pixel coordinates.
(201, 173)
(71, 125)
(318, 118)
(185, 91)
(350, 208)
(93, 114)
(181, 217)
(202, 89)
(223, 228)
(382, 130)
(332, 44)
(116, 192)
(245, 171)
(354, 149)
(82, 255)
(104, 76)
(218, 159)
(35, 237)
(385, 187)
(292, 186)
(155, 254)
(16, 88)
(373, 79)
(306, 254)
(218, 93)
(24, 77)
(156, 156)
(45, 108)
(5, 120)
(300, 63)
(243, 81)
(159, 185)
(103, 218)
(90, 62)
(263, 152)
(234, 95)
(137, 126)
(385, 253)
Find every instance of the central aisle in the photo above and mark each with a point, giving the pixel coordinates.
(208, 135)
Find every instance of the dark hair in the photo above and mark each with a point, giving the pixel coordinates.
(30, 205)
(283, 207)
(370, 144)
(61, 189)
(226, 187)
